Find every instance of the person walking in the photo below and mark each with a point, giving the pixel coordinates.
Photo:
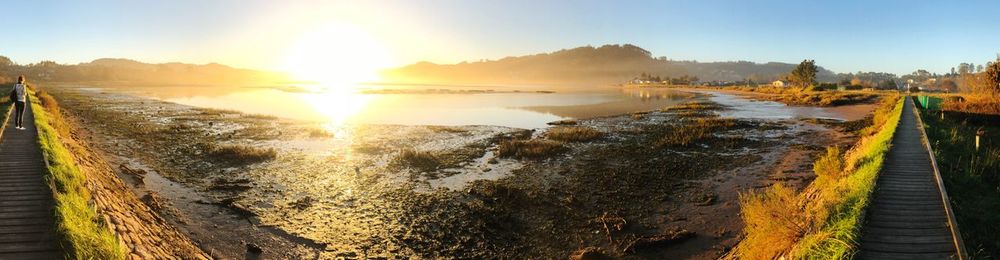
(19, 96)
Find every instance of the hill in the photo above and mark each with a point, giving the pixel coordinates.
(607, 64)
(125, 70)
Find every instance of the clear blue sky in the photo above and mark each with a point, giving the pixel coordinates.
(845, 36)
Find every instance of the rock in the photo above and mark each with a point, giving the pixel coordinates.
(669, 238)
(153, 201)
(254, 248)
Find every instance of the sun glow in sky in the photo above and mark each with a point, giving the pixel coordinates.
(336, 56)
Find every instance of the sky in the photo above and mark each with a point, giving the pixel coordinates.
(844, 36)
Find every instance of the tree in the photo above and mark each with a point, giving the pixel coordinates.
(856, 81)
(993, 78)
(887, 84)
(805, 74)
(949, 85)
(5, 62)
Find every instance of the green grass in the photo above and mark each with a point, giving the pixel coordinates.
(5, 105)
(971, 177)
(84, 234)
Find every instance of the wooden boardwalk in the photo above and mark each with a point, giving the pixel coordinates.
(908, 218)
(27, 224)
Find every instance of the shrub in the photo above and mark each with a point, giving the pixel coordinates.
(690, 132)
(240, 154)
(532, 149)
(573, 133)
(774, 222)
(52, 106)
(830, 165)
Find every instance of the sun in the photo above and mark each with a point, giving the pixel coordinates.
(337, 55)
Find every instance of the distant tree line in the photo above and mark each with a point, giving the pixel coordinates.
(682, 80)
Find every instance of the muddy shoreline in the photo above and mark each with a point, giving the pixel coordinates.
(332, 195)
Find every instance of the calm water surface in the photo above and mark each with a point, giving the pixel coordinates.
(521, 110)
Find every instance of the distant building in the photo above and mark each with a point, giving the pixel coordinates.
(779, 83)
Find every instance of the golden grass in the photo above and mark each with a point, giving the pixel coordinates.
(831, 164)
(419, 160)
(689, 133)
(975, 104)
(774, 221)
(573, 133)
(530, 149)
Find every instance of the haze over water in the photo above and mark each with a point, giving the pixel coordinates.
(521, 110)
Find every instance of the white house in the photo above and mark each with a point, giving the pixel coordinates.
(779, 83)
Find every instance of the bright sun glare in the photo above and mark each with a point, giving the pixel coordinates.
(336, 56)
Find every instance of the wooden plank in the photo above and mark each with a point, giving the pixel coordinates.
(27, 237)
(922, 239)
(871, 254)
(50, 254)
(910, 247)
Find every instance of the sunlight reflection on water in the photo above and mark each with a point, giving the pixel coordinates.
(337, 108)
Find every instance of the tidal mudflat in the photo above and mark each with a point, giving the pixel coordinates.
(658, 182)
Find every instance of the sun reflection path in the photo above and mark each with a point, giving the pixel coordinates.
(338, 106)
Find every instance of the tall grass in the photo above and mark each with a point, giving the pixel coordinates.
(84, 234)
(418, 160)
(971, 176)
(573, 133)
(693, 131)
(529, 149)
(824, 220)
(830, 165)
(239, 154)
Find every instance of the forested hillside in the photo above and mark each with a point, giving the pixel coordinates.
(607, 64)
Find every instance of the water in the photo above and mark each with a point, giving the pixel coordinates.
(743, 107)
(337, 108)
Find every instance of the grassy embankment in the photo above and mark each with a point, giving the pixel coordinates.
(823, 221)
(972, 177)
(5, 105)
(84, 235)
(796, 96)
(811, 96)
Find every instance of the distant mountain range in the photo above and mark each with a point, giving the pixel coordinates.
(608, 64)
(125, 70)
